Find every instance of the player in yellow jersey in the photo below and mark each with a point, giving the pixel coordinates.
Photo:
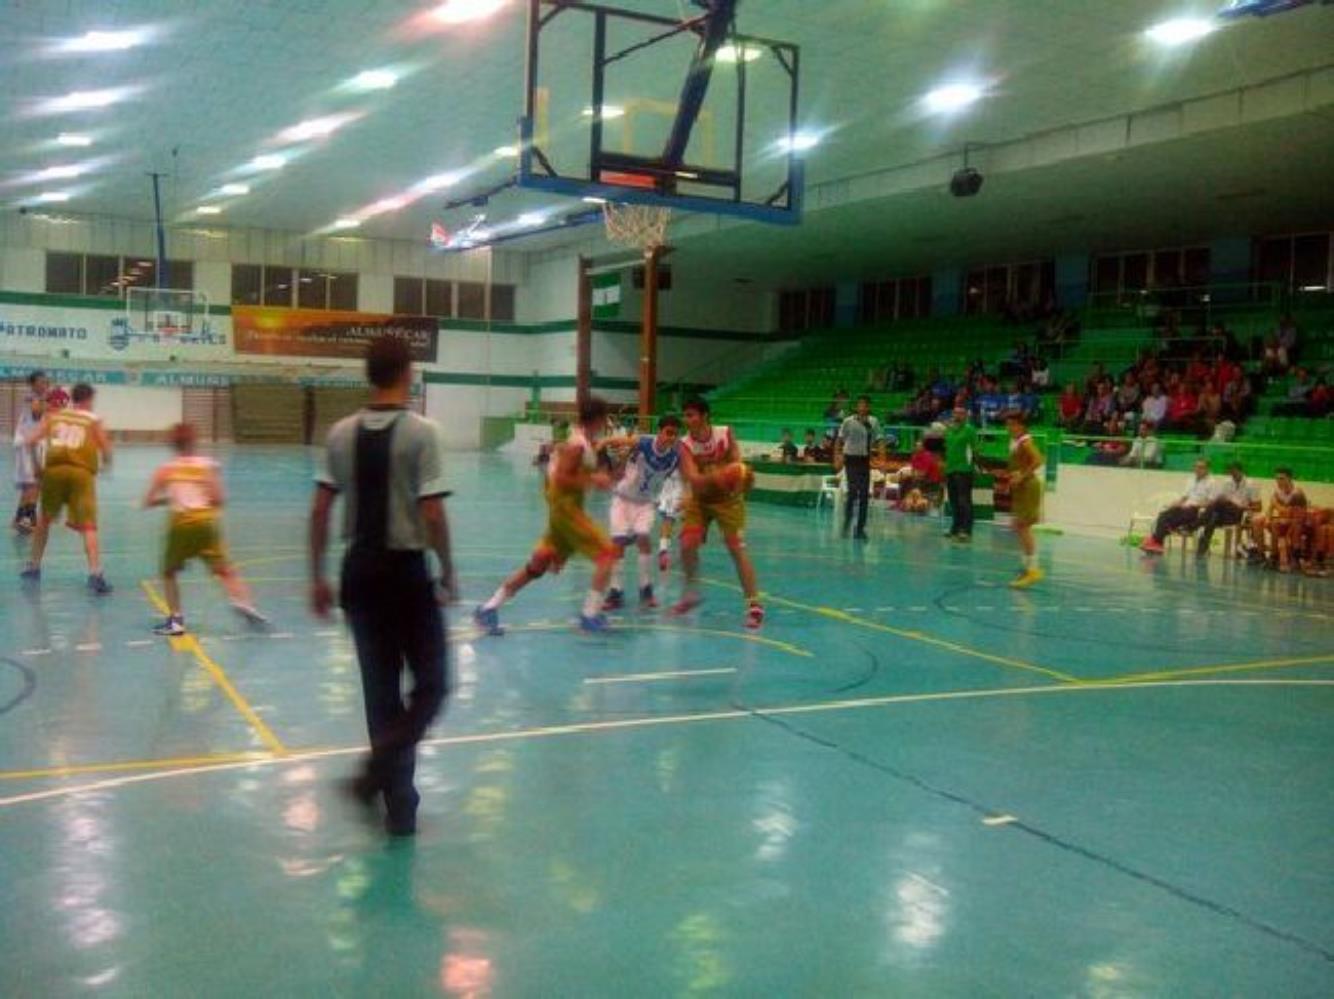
(570, 530)
(190, 485)
(77, 445)
(1025, 496)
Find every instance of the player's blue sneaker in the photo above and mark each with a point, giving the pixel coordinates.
(594, 624)
(98, 585)
(31, 574)
(488, 620)
(615, 600)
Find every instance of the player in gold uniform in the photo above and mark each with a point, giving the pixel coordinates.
(77, 446)
(191, 486)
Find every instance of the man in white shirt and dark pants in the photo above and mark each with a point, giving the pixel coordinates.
(1230, 502)
(856, 437)
(385, 463)
(1185, 513)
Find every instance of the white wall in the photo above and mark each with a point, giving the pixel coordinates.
(129, 407)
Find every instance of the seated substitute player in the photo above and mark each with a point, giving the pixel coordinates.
(75, 441)
(711, 466)
(651, 461)
(570, 530)
(191, 486)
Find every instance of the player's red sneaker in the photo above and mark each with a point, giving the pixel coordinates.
(664, 560)
(754, 616)
(686, 604)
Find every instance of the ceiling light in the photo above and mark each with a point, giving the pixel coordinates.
(728, 53)
(59, 173)
(208, 210)
(609, 111)
(269, 161)
(53, 197)
(373, 79)
(85, 100)
(1179, 30)
(951, 97)
(799, 142)
(104, 41)
(531, 219)
(479, 235)
(235, 190)
(385, 205)
(346, 223)
(506, 151)
(436, 182)
(315, 128)
(459, 11)
(1313, 287)
(593, 200)
(70, 139)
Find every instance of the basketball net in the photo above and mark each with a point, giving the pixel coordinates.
(641, 226)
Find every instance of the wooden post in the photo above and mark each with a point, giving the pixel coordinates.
(648, 340)
(583, 338)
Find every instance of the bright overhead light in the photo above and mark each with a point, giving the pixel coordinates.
(479, 235)
(59, 173)
(235, 190)
(208, 210)
(373, 79)
(1313, 287)
(346, 223)
(799, 142)
(104, 41)
(435, 182)
(53, 197)
(269, 161)
(951, 97)
(729, 53)
(1179, 30)
(531, 219)
(385, 205)
(592, 199)
(609, 111)
(460, 11)
(70, 139)
(506, 151)
(315, 128)
(85, 100)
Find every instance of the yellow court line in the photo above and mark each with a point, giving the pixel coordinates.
(916, 636)
(788, 647)
(76, 769)
(188, 643)
(1259, 664)
(655, 721)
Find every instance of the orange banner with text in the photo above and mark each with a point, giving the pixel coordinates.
(321, 333)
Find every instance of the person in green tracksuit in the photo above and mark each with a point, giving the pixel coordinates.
(960, 454)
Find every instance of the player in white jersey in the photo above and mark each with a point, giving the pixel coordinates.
(570, 530)
(28, 457)
(651, 461)
(669, 509)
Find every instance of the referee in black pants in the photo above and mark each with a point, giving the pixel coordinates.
(385, 462)
(856, 437)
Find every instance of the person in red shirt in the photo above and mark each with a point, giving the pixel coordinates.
(1181, 407)
(1071, 406)
(926, 465)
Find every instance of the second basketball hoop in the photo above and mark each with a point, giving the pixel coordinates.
(641, 226)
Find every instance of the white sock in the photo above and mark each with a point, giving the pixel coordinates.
(645, 570)
(1030, 562)
(618, 574)
(497, 600)
(592, 603)
(664, 544)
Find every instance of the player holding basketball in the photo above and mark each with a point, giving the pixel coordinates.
(75, 440)
(711, 466)
(571, 471)
(651, 462)
(191, 486)
(1025, 496)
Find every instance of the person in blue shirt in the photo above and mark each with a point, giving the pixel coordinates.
(650, 462)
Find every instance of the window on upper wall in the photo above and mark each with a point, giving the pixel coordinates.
(502, 303)
(1168, 268)
(409, 296)
(895, 298)
(101, 276)
(439, 298)
(277, 289)
(64, 273)
(472, 300)
(1310, 262)
(320, 289)
(343, 291)
(1012, 289)
(247, 284)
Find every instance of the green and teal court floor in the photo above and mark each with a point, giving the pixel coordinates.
(913, 782)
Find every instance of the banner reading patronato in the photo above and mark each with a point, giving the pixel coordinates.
(317, 333)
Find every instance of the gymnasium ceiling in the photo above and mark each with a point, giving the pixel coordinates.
(216, 82)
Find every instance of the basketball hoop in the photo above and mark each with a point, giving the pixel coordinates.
(640, 226)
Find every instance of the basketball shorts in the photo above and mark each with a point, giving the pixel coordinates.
(1026, 501)
(571, 531)
(200, 539)
(73, 488)
(728, 512)
(669, 500)
(630, 520)
(26, 472)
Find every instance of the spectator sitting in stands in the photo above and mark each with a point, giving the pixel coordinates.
(1321, 399)
(1198, 371)
(1070, 407)
(1209, 409)
(1273, 357)
(1101, 409)
(1041, 376)
(1182, 408)
(1095, 378)
(1296, 404)
(1273, 534)
(1154, 408)
(1184, 514)
(810, 450)
(990, 403)
(1232, 500)
(1146, 451)
(787, 448)
(900, 377)
(1237, 397)
(1128, 394)
(834, 411)
(1287, 337)
(825, 450)
(1019, 362)
(1020, 400)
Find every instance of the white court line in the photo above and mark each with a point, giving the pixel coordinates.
(999, 820)
(89, 647)
(669, 675)
(581, 728)
(36, 652)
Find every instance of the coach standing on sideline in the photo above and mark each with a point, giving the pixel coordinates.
(386, 464)
(960, 456)
(856, 437)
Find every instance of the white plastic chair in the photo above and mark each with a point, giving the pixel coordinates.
(832, 488)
